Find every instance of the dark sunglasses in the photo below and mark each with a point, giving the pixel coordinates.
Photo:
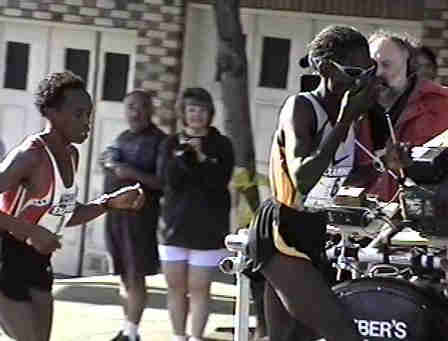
(355, 71)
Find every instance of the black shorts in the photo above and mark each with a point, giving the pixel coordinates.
(304, 231)
(131, 241)
(22, 268)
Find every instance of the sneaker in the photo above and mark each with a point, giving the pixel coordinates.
(122, 337)
(118, 337)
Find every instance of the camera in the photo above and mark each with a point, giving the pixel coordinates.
(183, 149)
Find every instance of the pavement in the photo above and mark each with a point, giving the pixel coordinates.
(89, 309)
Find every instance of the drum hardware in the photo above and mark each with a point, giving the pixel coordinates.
(429, 164)
(353, 255)
(344, 253)
(384, 238)
(378, 164)
(445, 281)
(235, 265)
(402, 177)
(383, 270)
(236, 243)
(352, 216)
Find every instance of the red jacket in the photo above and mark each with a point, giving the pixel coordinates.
(424, 117)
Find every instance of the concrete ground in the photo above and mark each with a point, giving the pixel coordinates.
(88, 309)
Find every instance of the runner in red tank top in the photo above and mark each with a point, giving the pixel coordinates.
(38, 200)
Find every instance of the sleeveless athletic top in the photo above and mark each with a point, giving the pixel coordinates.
(328, 185)
(21, 265)
(282, 186)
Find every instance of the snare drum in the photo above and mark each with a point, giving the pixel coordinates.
(394, 310)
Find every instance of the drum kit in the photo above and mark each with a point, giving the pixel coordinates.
(393, 276)
(391, 259)
(391, 266)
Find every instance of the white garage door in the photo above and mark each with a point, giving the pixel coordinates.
(28, 52)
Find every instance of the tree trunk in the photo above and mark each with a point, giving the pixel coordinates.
(232, 72)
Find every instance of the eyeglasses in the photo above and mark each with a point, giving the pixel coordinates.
(354, 71)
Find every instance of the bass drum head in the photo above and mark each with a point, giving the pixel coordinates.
(393, 310)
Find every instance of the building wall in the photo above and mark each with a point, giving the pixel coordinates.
(386, 9)
(435, 33)
(160, 26)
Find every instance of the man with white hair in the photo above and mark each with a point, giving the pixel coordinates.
(417, 108)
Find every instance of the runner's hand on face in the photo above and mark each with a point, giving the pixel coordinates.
(43, 240)
(358, 100)
(127, 198)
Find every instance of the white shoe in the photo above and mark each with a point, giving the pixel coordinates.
(192, 338)
(179, 338)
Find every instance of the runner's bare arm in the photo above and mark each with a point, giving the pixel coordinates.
(22, 167)
(306, 163)
(125, 198)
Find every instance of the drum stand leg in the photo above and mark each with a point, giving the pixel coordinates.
(445, 282)
(235, 265)
(344, 263)
(242, 308)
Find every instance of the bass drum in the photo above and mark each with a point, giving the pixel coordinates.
(394, 310)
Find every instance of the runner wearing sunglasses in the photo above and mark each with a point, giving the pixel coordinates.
(313, 144)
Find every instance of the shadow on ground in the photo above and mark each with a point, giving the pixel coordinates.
(101, 293)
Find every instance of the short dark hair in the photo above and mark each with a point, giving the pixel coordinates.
(336, 42)
(147, 95)
(50, 90)
(198, 94)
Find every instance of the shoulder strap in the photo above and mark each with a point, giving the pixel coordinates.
(320, 114)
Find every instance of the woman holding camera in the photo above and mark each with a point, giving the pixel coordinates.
(196, 167)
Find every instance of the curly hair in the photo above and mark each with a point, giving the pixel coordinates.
(198, 94)
(50, 90)
(336, 42)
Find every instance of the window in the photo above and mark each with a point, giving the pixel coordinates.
(275, 63)
(16, 66)
(115, 76)
(77, 61)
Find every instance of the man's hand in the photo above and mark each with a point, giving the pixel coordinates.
(397, 155)
(123, 171)
(43, 240)
(127, 198)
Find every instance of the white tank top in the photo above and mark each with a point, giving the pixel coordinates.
(52, 210)
(321, 195)
(64, 199)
